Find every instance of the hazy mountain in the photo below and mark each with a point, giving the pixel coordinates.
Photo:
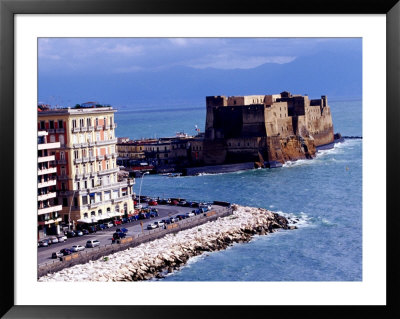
(336, 75)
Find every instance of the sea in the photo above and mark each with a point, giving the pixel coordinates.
(324, 193)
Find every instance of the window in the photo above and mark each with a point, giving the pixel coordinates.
(60, 124)
(51, 124)
(107, 165)
(98, 136)
(61, 138)
(117, 208)
(86, 185)
(92, 213)
(107, 195)
(105, 121)
(65, 202)
(99, 167)
(92, 182)
(85, 215)
(75, 201)
(81, 138)
(105, 136)
(52, 138)
(74, 123)
(99, 212)
(78, 186)
(74, 139)
(63, 170)
(76, 154)
(42, 125)
(97, 121)
(82, 122)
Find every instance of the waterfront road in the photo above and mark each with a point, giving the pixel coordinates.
(105, 236)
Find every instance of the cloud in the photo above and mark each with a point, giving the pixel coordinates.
(225, 61)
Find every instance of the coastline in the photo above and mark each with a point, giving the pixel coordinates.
(152, 259)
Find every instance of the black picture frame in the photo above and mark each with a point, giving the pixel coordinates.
(9, 8)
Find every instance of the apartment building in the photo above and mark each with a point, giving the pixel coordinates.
(88, 185)
(48, 207)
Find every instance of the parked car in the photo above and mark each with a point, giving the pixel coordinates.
(77, 248)
(57, 254)
(54, 240)
(43, 243)
(153, 202)
(159, 223)
(151, 226)
(118, 235)
(116, 222)
(125, 220)
(173, 219)
(167, 221)
(110, 224)
(180, 217)
(182, 203)
(85, 231)
(102, 226)
(61, 238)
(153, 214)
(124, 230)
(190, 214)
(205, 206)
(79, 233)
(174, 202)
(92, 243)
(66, 251)
(71, 234)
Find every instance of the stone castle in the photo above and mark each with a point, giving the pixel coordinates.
(265, 129)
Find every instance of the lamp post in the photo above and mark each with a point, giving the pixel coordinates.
(69, 213)
(140, 188)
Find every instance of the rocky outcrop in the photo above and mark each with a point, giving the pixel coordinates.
(167, 254)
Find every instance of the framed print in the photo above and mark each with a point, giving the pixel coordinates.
(174, 136)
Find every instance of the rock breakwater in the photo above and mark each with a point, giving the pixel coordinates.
(167, 254)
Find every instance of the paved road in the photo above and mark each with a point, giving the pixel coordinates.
(104, 236)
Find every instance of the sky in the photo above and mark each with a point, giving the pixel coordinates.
(129, 57)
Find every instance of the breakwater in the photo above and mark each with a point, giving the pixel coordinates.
(169, 253)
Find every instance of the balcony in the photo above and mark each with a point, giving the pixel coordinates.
(84, 129)
(106, 142)
(108, 171)
(50, 182)
(47, 146)
(64, 193)
(92, 144)
(76, 145)
(114, 125)
(85, 159)
(62, 161)
(51, 130)
(75, 129)
(108, 156)
(92, 158)
(78, 176)
(77, 160)
(62, 177)
(46, 196)
(60, 130)
(99, 127)
(114, 155)
(120, 199)
(90, 128)
(100, 157)
(87, 175)
(93, 205)
(84, 145)
(47, 171)
(106, 127)
(50, 209)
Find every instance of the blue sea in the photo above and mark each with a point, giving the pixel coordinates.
(324, 193)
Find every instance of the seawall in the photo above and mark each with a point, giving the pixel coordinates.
(166, 254)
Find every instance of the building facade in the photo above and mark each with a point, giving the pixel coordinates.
(48, 207)
(88, 186)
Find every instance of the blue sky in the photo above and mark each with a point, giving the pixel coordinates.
(80, 59)
(125, 55)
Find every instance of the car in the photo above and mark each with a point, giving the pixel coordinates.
(118, 235)
(71, 234)
(110, 224)
(92, 229)
(57, 254)
(66, 251)
(77, 248)
(152, 226)
(125, 220)
(54, 240)
(116, 222)
(173, 219)
(174, 202)
(92, 243)
(79, 233)
(159, 223)
(43, 243)
(85, 231)
(153, 202)
(139, 206)
(167, 221)
(180, 217)
(205, 206)
(153, 214)
(197, 211)
(182, 203)
(190, 214)
(61, 238)
(102, 226)
(124, 230)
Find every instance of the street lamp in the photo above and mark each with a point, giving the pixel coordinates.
(140, 188)
(69, 213)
